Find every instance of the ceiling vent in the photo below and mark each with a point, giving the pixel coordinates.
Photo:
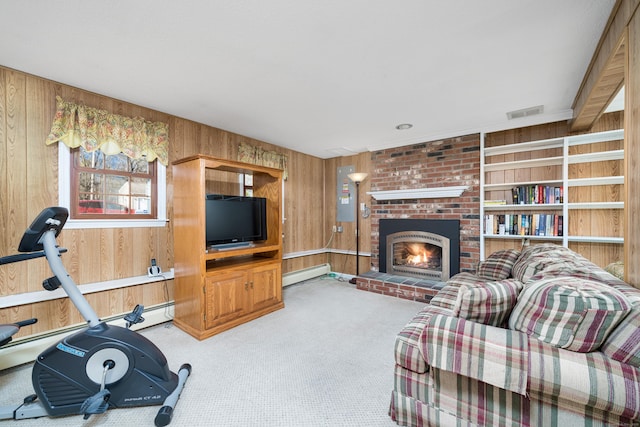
(525, 112)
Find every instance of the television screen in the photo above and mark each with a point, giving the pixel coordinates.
(234, 219)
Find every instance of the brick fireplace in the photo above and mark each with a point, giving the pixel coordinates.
(437, 164)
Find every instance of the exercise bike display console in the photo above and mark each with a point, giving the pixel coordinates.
(100, 367)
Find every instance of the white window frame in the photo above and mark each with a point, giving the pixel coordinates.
(64, 198)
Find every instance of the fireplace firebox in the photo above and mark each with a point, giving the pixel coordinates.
(421, 248)
(418, 254)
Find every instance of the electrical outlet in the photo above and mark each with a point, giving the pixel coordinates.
(339, 229)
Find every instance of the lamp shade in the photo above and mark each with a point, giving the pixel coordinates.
(358, 176)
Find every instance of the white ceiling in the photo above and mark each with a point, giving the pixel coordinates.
(323, 77)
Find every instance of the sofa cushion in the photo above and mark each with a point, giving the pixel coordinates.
(616, 268)
(447, 296)
(498, 265)
(535, 259)
(623, 344)
(493, 355)
(489, 303)
(584, 382)
(581, 270)
(568, 312)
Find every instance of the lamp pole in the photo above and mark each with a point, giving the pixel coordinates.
(357, 177)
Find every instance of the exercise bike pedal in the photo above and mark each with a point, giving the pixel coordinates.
(30, 399)
(135, 316)
(51, 284)
(96, 404)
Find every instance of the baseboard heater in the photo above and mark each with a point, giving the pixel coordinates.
(26, 350)
(305, 274)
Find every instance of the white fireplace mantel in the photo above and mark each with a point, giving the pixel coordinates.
(419, 193)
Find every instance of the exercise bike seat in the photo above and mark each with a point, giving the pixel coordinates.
(10, 329)
(6, 332)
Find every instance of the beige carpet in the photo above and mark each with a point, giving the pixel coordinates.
(326, 359)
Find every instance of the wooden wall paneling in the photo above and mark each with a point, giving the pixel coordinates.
(493, 245)
(110, 241)
(330, 174)
(27, 105)
(330, 177)
(342, 263)
(210, 142)
(176, 142)
(346, 240)
(6, 282)
(40, 158)
(499, 177)
(132, 296)
(304, 204)
(632, 152)
(116, 304)
(89, 256)
(4, 171)
(579, 220)
(299, 263)
(162, 248)
(139, 250)
(16, 196)
(160, 292)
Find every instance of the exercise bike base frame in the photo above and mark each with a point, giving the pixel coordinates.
(98, 358)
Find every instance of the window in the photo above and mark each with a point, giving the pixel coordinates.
(110, 191)
(111, 186)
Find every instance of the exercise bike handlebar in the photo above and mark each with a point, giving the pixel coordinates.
(24, 257)
(48, 241)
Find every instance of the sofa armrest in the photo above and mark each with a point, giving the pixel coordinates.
(489, 354)
(583, 380)
(407, 348)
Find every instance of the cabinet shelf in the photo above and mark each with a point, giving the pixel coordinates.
(213, 266)
(233, 253)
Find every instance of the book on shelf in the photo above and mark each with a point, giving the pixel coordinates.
(536, 194)
(545, 224)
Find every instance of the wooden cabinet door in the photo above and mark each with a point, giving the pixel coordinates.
(226, 297)
(266, 285)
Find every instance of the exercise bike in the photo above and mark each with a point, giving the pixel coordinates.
(100, 367)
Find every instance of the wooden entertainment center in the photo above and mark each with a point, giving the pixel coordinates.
(216, 290)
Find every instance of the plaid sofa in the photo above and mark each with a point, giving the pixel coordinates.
(541, 337)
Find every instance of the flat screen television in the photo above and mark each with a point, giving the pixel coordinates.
(235, 219)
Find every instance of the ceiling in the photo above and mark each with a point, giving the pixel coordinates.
(326, 78)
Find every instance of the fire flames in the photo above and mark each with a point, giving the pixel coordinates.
(419, 255)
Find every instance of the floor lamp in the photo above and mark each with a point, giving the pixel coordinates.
(357, 177)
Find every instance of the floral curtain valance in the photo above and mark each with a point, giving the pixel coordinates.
(77, 125)
(258, 156)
